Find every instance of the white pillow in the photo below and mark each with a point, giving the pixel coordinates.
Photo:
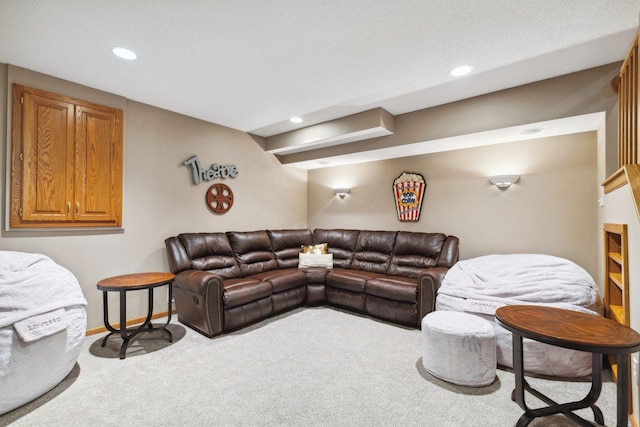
(315, 260)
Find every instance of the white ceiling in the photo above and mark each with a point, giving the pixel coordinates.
(252, 64)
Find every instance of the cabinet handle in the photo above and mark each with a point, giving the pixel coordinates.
(68, 208)
(77, 208)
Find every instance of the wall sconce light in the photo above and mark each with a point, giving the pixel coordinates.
(341, 192)
(503, 181)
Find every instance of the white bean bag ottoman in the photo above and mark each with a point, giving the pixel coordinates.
(42, 326)
(459, 348)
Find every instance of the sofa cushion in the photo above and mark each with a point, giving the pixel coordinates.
(286, 245)
(283, 279)
(316, 275)
(340, 243)
(373, 251)
(210, 252)
(244, 290)
(350, 280)
(414, 251)
(395, 288)
(253, 251)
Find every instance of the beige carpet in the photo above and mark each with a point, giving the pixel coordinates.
(308, 367)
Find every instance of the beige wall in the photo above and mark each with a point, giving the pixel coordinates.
(159, 197)
(552, 209)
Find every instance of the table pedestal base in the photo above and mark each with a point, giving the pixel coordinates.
(128, 334)
(522, 386)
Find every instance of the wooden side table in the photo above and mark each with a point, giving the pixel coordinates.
(577, 331)
(134, 282)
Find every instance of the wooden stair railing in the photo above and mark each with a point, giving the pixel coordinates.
(626, 85)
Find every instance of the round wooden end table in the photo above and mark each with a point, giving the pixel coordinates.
(134, 282)
(577, 331)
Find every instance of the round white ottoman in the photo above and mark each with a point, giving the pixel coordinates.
(459, 348)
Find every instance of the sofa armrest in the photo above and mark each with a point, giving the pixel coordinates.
(198, 296)
(197, 281)
(428, 284)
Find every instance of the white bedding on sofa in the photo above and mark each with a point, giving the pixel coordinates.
(481, 285)
(42, 326)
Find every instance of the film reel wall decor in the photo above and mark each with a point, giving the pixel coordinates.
(408, 190)
(219, 197)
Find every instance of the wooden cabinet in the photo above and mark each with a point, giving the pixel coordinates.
(66, 168)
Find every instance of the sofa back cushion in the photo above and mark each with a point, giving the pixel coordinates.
(286, 245)
(414, 252)
(176, 255)
(340, 243)
(211, 252)
(253, 251)
(450, 252)
(373, 251)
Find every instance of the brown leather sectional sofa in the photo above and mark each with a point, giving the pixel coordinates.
(225, 281)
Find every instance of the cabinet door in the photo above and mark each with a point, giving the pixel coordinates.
(98, 188)
(66, 162)
(47, 159)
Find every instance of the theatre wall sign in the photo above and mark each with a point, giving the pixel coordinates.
(219, 196)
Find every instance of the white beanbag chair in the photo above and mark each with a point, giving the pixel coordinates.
(42, 326)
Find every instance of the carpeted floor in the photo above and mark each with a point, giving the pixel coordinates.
(311, 367)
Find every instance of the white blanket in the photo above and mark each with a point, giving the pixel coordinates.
(33, 284)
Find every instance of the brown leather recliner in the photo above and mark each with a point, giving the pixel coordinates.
(225, 281)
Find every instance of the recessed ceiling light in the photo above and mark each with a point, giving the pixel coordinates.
(295, 119)
(530, 131)
(460, 71)
(124, 53)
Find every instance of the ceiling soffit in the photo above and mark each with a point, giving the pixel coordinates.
(356, 127)
(572, 103)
